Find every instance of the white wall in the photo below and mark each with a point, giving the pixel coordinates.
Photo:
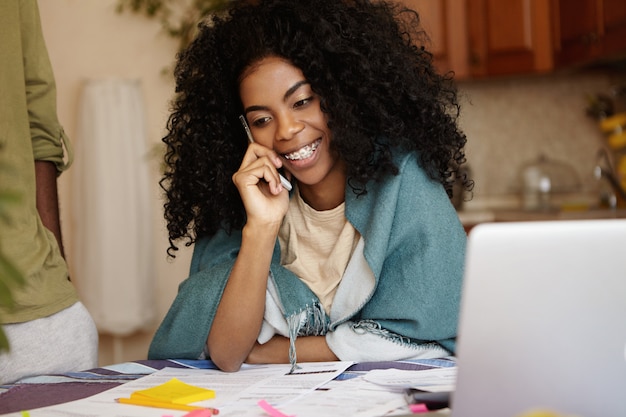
(87, 39)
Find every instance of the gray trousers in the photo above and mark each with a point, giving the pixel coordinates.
(63, 342)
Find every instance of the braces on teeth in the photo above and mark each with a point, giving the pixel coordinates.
(304, 152)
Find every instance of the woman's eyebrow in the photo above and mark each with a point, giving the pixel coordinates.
(294, 88)
(255, 108)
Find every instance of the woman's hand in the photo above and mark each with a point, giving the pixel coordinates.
(258, 182)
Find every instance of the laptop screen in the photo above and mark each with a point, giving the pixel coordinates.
(543, 320)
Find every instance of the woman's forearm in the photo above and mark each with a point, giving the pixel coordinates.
(239, 315)
(276, 350)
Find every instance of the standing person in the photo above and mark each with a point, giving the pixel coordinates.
(49, 330)
(363, 259)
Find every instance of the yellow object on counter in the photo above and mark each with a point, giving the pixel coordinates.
(617, 140)
(615, 128)
(613, 123)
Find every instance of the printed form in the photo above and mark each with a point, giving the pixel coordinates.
(311, 391)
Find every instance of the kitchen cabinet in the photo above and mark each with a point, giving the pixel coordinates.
(530, 36)
(445, 23)
(479, 38)
(509, 37)
(483, 38)
(588, 30)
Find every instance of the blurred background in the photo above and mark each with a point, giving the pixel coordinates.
(541, 84)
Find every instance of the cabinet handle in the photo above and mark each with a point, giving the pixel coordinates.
(475, 59)
(590, 38)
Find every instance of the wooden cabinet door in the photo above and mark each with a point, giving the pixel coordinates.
(587, 30)
(576, 24)
(445, 23)
(509, 37)
(613, 33)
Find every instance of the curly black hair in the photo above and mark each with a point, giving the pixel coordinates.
(366, 61)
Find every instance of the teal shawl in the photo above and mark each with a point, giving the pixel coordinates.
(414, 245)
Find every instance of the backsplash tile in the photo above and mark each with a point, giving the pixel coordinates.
(511, 121)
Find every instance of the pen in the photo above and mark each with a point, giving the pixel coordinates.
(283, 180)
(164, 404)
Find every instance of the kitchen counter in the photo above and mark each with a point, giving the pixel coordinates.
(473, 217)
(508, 208)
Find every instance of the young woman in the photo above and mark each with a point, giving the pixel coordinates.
(363, 258)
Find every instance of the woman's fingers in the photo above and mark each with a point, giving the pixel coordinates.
(261, 192)
(260, 173)
(262, 163)
(256, 151)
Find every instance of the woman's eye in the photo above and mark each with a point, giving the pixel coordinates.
(260, 121)
(302, 102)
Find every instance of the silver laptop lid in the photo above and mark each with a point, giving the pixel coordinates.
(543, 320)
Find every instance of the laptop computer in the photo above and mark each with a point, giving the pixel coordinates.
(543, 320)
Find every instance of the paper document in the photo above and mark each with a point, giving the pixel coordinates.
(236, 393)
(312, 391)
(376, 393)
(433, 380)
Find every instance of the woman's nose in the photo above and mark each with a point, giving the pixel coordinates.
(288, 127)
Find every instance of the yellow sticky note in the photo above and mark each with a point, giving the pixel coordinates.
(176, 392)
(543, 413)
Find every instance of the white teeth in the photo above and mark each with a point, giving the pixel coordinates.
(304, 152)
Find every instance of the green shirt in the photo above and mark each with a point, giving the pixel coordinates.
(29, 131)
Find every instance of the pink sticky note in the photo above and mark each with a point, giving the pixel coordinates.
(271, 410)
(418, 408)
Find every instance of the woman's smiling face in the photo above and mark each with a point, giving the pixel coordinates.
(284, 114)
